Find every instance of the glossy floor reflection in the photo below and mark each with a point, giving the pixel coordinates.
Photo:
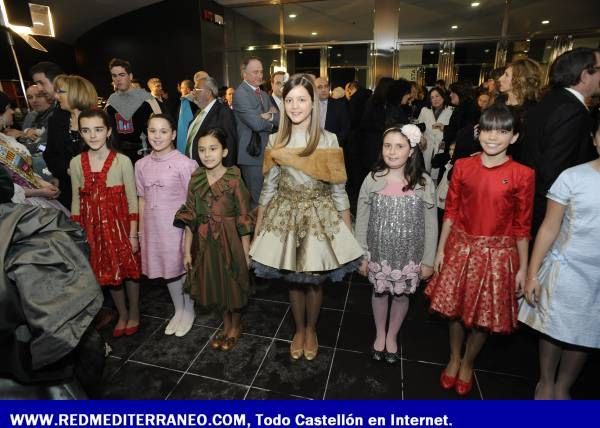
(150, 365)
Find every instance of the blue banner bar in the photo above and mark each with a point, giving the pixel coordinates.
(258, 414)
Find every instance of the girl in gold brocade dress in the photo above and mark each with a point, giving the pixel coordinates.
(303, 230)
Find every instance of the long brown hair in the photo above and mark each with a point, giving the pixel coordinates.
(284, 133)
(526, 80)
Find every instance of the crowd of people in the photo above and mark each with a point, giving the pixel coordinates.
(298, 186)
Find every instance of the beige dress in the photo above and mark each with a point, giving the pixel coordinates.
(303, 238)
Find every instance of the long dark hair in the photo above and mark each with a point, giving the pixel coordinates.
(91, 113)
(414, 168)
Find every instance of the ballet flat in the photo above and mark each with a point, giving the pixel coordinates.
(447, 382)
(463, 388)
(296, 354)
(311, 354)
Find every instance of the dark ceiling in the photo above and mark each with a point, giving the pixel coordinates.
(353, 19)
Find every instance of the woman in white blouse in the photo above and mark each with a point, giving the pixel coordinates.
(435, 118)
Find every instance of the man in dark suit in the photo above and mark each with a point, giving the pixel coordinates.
(253, 113)
(334, 113)
(558, 129)
(212, 114)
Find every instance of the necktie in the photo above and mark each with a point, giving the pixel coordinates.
(194, 126)
(257, 90)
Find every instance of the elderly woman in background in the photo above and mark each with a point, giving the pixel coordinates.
(74, 94)
(520, 88)
(16, 161)
(434, 118)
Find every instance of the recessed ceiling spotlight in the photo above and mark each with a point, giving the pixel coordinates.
(431, 52)
(292, 15)
(441, 51)
(339, 55)
(454, 27)
(527, 40)
(475, 4)
(314, 33)
(487, 50)
(525, 51)
(300, 52)
(545, 21)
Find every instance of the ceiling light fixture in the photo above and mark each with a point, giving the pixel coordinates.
(454, 27)
(545, 21)
(431, 52)
(314, 33)
(475, 4)
(527, 40)
(292, 15)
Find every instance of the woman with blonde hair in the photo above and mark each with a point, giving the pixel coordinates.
(520, 88)
(303, 231)
(74, 94)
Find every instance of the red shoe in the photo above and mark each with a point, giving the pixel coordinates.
(463, 388)
(129, 331)
(118, 332)
(447, 382)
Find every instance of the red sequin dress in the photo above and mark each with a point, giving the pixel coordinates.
(491, 208)
(105, 217)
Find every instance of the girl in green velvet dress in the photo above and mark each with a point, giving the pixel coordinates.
(217, 237)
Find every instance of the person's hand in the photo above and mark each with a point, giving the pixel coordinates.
(363, 269)
(187, 262)
(248, 260)
(426, 272)
(439, 262)
(532, 291)
(438, 125)
(15, 133)
(266, 115)
(32, 133)
(135, 244)
(48, 190)
(520, 282)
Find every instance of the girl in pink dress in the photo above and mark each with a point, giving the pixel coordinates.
(162, 181)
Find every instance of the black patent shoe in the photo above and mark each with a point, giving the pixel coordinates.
(377, 355)
(392, 357)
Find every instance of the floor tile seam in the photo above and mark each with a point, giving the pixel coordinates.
(337, 338)
(267, 351)
(287, 303)
(142, 344)
(433, 363)
(243, 385)
(478, 386)
(193, 361)
(143, 363)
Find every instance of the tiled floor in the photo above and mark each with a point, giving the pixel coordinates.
(154, 366)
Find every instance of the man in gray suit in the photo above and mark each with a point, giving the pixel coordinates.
(253, 112)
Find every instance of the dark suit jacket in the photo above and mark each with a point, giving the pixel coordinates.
(219, 116)
(557, 137)
(59, 152)
(338, 119)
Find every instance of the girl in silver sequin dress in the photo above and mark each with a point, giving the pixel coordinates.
(396, 225)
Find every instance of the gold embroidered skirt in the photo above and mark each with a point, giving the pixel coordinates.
(302, 232)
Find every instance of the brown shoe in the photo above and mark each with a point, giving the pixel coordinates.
(229, 343)
(217, 341)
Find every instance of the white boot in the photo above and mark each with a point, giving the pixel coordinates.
(187, 319)
(176, 292)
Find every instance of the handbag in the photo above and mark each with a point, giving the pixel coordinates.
(254, 147)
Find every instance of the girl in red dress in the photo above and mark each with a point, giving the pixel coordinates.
(105, 204)
(481, 259)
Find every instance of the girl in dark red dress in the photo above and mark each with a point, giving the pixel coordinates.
(482, 254)
(105, 204)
